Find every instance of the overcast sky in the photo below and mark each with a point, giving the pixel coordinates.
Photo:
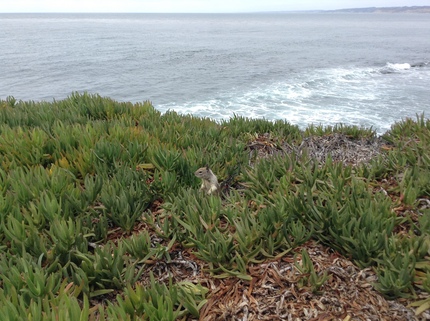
(194, 5)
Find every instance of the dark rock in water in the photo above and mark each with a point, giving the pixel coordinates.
(420, 64)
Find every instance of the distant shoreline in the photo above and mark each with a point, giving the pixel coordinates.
(405, 9)
(412, 9)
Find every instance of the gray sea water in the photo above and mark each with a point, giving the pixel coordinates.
(320, 68)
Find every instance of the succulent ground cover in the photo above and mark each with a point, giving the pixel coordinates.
(102, 218)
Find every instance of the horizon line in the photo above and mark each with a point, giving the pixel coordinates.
(208, 12)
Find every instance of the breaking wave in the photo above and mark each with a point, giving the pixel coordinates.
(354, 96)
(390, 68)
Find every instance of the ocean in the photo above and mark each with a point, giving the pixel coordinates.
(368, 70)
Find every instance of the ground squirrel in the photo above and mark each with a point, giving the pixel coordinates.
(210, 183)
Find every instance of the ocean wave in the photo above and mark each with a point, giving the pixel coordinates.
(351, 95)
(391, 68)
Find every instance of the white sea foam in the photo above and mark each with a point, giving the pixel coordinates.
(353, 96)
(403, 66)
(395, 67)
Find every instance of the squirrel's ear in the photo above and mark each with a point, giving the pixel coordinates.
(207, 166)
